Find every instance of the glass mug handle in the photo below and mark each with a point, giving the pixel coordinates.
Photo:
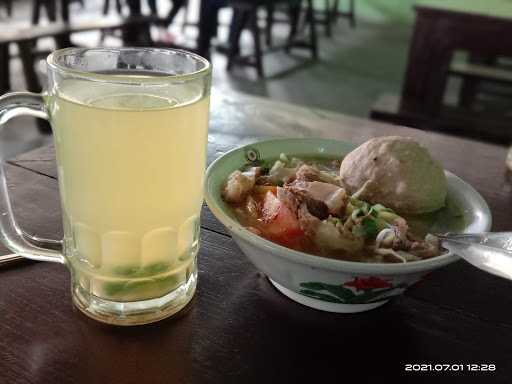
(13, 105)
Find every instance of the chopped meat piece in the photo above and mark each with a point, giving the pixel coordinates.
(288, 199)
(326, 234)
(308, 173)
(317, 208)
(307, 221)
(252, 207)
(426, 249)
(400, 228)
(335, 198)
(239, 184)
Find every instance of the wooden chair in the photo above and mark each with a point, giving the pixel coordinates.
(246, 11)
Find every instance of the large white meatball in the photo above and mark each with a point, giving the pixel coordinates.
(396, 172)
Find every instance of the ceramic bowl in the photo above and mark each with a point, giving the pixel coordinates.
(323, 283)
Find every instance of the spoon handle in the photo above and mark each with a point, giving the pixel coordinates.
(490, 251)
(501, 240)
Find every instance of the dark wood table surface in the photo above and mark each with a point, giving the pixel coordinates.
(239, 329)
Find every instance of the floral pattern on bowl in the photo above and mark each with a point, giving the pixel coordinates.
(359, 290)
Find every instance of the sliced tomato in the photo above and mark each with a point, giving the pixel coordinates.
(280, 224)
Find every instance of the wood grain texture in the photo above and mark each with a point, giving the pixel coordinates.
(239, 329)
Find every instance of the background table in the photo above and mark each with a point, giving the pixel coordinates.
(441, 28)
(239, 329)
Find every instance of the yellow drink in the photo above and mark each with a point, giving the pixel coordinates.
(131, 172)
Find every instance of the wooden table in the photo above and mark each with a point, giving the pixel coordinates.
(239, 329)
(441, 28)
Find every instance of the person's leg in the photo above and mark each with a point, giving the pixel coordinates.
(136, 35)
(134, 6)
(152, 7)
(294, 12)
(239, 21)
(176, 7)
(208, 21)
(51, 10)
(36, 11)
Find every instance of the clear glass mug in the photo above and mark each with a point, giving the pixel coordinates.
(130, 129)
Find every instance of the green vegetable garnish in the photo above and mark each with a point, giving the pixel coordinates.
(370, 228)
(150, 270)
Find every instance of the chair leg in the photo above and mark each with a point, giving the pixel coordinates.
(313, 38)
(334, 11)
(270, 24)
(327, 18)
(294, 14)
(257, 43)
(352, 13)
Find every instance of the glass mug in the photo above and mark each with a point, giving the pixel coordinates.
(130, 130)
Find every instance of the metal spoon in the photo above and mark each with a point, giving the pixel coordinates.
(489, 251)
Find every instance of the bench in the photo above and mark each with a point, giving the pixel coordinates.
(451, 119)
(25, 39)
(473, 74)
